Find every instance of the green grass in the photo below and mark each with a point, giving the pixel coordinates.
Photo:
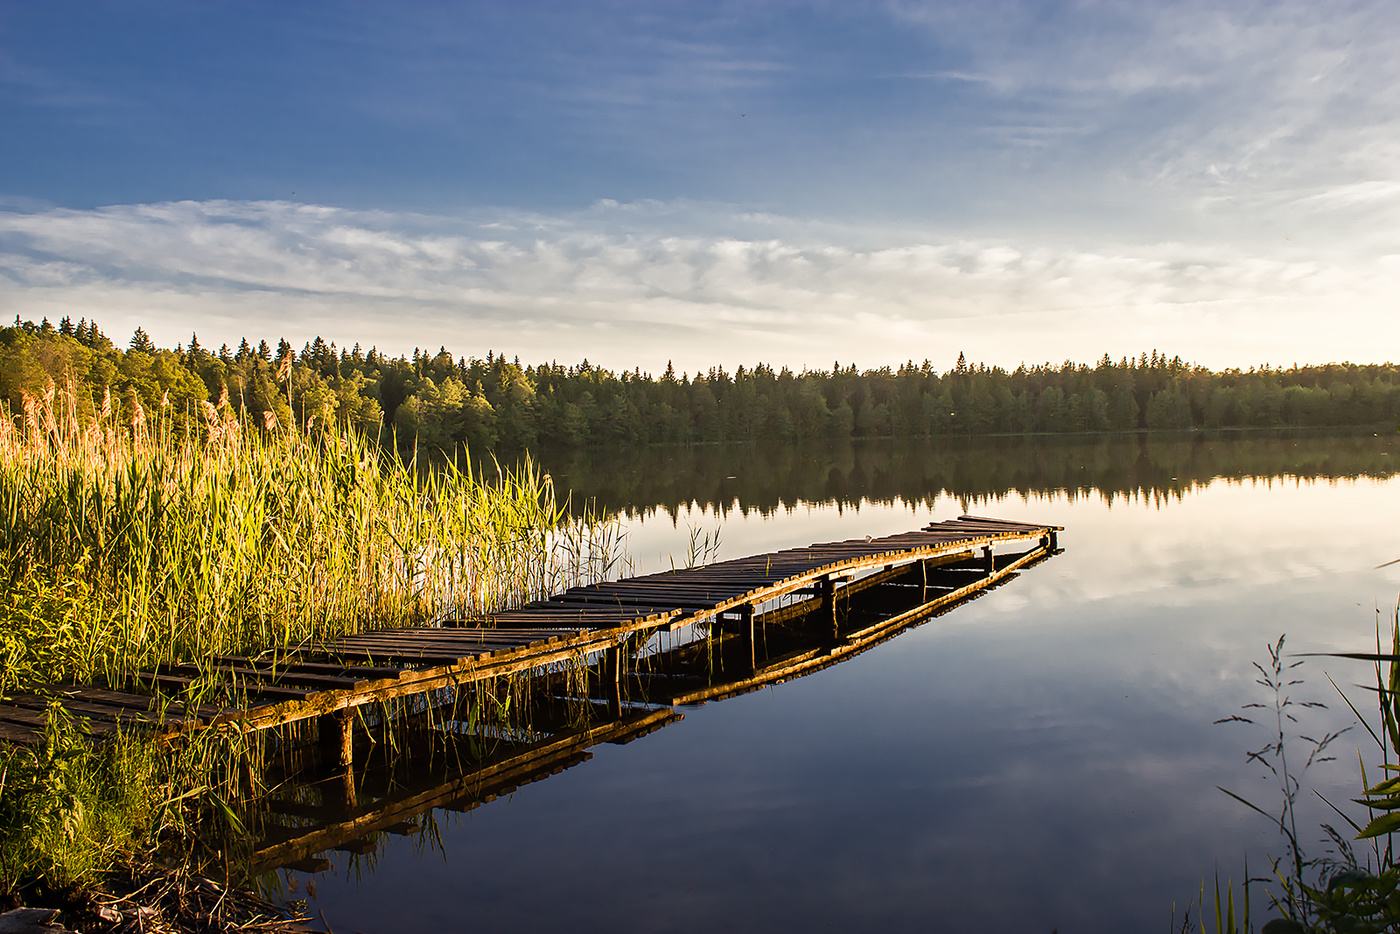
(75, 814)
(67, 809)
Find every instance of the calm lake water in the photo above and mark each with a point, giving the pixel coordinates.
(1041, 758)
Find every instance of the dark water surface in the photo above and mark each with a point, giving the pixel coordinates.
(1041, 758)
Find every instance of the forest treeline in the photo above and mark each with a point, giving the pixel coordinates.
(442, 402)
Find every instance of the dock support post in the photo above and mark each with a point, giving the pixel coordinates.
(988, 560)
(613, 661)
(746, 637)
(337, 731)
(826, 587)
(348, 798)
(1054, 540)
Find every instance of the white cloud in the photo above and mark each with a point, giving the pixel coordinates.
(632, 285)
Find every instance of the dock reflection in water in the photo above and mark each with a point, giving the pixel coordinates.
(472, 748)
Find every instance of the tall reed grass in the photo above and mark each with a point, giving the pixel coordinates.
(125, 543)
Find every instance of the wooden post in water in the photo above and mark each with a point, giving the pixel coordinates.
(614, 659)
(988, 560)
(746, 638)
(337, 734)
(826, 588)
(348, 798)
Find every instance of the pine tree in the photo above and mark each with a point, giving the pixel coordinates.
(141, 342)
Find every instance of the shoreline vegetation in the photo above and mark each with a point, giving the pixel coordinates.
(133, 538)
(441, 403)
(1354, 886)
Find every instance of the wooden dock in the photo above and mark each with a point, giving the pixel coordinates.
(319, 815)
(733, 600)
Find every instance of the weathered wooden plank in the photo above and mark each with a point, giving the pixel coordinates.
(1009, 523)
(463, 636)
(472, 642)
(639, 586)
(471, 645)
(388, 652)
(37, 720)
(466, 643)
(297, 664)
(23, 735)
(463, 647)
(676, 598)
(544, 613)
(549, 631)
(506, 639)
(180, 682)
(671, 605)
(104, 712)
(142, 702)
(264, 677)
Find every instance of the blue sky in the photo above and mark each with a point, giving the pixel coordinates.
(712, 183)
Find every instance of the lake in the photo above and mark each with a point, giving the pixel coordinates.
(1043, 758)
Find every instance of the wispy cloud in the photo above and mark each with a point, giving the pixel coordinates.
(945, 76)
(41, 87)
(1190, 98)
(669, 287)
